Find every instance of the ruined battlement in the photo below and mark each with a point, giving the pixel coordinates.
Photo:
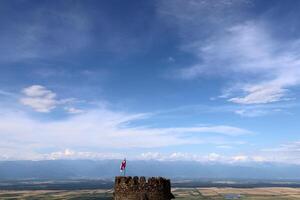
(138, 188)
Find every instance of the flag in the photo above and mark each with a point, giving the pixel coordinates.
(123, 165)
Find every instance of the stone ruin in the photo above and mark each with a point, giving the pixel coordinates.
(135, 188)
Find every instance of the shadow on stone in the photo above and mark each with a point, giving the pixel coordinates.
(138, 188)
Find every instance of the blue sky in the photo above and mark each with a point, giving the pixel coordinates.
(166, 80)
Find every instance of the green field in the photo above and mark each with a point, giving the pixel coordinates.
(180, 193)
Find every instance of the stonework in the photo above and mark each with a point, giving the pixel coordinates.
(135, 188)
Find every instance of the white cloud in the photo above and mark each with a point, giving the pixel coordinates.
(38, 91)
(213, 157)
(72, 110)
(240, 158)
(152, 156)
(259, 159)
(288, 153)
(175, 156)
(39, 98)
(261, 94)
(71, 154)
(98, 128)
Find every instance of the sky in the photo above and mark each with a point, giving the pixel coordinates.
(200, 80)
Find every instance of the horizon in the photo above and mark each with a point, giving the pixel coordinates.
(237, 163)
(170, 80)
(203, 171)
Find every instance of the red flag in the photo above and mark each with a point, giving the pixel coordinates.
(123, 165)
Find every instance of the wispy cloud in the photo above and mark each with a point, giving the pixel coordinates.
(225, 130)
(104, 128)
(263, 69)
(256, 110)
(94, 128)
(292, 147)
(248, 49)
(36, 35)
(6, 93)
(28, 34)
(287, 152)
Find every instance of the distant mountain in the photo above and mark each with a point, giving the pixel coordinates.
(72, 169)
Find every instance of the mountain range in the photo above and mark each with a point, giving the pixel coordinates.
(107, 169)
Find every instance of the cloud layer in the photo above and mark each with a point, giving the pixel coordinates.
(74, 136)
(98, 127)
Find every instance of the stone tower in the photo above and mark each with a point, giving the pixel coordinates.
(128, 188)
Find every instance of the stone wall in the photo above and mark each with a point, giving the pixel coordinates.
(135, 188)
